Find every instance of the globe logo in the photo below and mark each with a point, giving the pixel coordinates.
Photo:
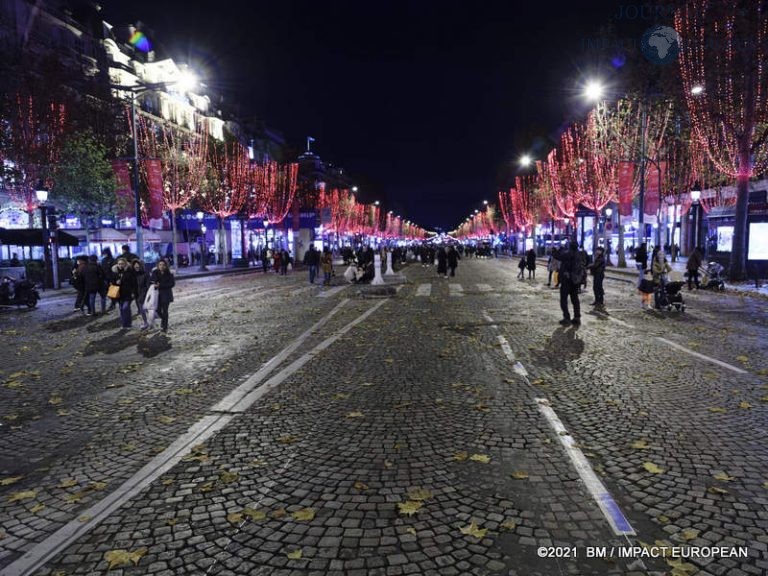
(660, 44)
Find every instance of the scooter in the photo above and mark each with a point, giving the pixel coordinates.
(18, 292)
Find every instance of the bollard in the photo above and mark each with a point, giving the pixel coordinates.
(377, 279)
(390, 271)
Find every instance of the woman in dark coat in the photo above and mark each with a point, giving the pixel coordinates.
(142, 285)
(124, 277)
(530, 263)
(163, 280)
(442, 262)
(453, 260)
(93, 278)
(78, 282)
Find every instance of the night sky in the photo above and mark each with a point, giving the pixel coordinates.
(428, 102)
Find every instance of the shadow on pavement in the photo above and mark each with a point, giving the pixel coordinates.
(562, 347)
(151, 346)
(114, 343)
(77, 321)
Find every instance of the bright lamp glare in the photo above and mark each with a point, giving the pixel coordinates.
(525, 160)
(696, 90)
(187, 81)
(593, 90)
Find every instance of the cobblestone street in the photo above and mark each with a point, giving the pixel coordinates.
(281, 428)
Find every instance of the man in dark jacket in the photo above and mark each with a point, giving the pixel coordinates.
(107, 261)
(569, 286)
(641, 257)
(598, 272)
(692, 268)
(312, 260)
(93, 277)
(453, 260)
(78, 281)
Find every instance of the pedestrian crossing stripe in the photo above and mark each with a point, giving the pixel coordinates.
(331, 292)
(455, 290)
(484, 287)
(424, 289)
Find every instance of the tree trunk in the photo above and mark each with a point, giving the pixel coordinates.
(31, 219)
(595, 227)
(222, 242)
(672, 233)
(738, 269)
(244, 245)
(622, 257)
(173, 241)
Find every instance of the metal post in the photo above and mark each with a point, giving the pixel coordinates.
(46, 253)
(641, 194)
(137, 195)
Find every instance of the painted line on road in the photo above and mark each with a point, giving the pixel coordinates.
(490, 320)
(455, 290)
(39, 554)
(226, 404)
(246, 402)
(484, 287)
(620, 322)
(619, 523)
(702, 356)
(424, 289)
(505, 347)
(331, 292)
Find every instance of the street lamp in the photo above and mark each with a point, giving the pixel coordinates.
(42, 198)
(607, 228)
(203, 247)
(525, 160)
(695, 197)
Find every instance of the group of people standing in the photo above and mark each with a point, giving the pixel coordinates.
(569, 265)
(123, 281)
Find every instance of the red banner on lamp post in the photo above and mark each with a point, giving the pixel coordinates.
(124, 190)
(654, 178)
(154, 170)
(626, 177)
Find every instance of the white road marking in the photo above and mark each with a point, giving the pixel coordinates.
(520, 369)
(620, 322)
(506, 348)
(619, 523)
(484, 287)
(490, 320)
(331, 291)
(226, 404)
(455, 290)
(702, 356)
(424, 289)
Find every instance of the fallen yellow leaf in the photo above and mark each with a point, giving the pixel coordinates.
(37, 508)
(519, 475)
(483, 458)
(360, 486)
(652, 468)
(717, 409)
(722, 476)
(163, 419)
(354, 415)
(18, 496)
(640, 445)
(68, 483)
(305, 514)
(508, 526)
(716, 490)
(118, 558)
(228, 477)
(235, 517)
(460, 456)
(689, 534)
(10, 480)
(473, 530)
(295, 555)
(745, 405)
(254, 514)
(420, 494)
(409, 507)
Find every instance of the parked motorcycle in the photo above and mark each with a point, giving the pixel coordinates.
(18, 292)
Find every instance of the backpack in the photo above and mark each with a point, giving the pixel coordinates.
(579, 271)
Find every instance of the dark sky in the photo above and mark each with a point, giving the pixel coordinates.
(428, 100)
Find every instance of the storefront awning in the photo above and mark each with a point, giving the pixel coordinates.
(33, 237)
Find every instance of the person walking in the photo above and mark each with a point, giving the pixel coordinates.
(94, 282)
(442, 262)
(326, 263)
(78, 282)
(530, 263)
(107, 261)
(162, 278)
(265, 260)
(660, 268)
(124, 277)
(597, 269)
(277, 256)
(521, 266)
(453, 260)
(285, 259)
(142, 286)
(571, 272)
(692, 267)
(312, 260)
(641, 259)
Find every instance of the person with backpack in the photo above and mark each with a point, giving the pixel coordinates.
(597, 269)
(572, 272)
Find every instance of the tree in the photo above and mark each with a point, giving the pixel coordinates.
(724, 47)
(30, 143)
(85, 181)
(184, 160)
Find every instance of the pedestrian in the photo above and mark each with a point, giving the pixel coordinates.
(453, 260)
(78, 282)
(641, 258)
(277, 256)
(646, 288)
(124, 278)
(530, 263)
(107, 261)
(597, 269)
(94, 282)
(265, 260)
(521, 265)
(163, 280)
(142, 286)
(312, 261)
(552, 266)
(586, 260)
(127, 254)
(285, 259)
(442, 262)
(692, 268)
(326, 263)
(660, 268)
(15, 260)
(571, 272)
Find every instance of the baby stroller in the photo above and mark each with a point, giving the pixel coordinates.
(668, 296)
(713, 277)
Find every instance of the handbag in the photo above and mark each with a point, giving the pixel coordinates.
(113, 291)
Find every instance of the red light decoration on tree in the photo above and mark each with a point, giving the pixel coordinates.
(30, 148)
(724, 48)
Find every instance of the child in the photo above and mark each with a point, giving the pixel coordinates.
(646, 288)
(521, 265)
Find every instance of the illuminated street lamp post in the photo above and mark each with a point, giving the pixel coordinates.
(203, 246)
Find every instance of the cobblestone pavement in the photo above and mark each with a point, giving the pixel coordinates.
(402, 436)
